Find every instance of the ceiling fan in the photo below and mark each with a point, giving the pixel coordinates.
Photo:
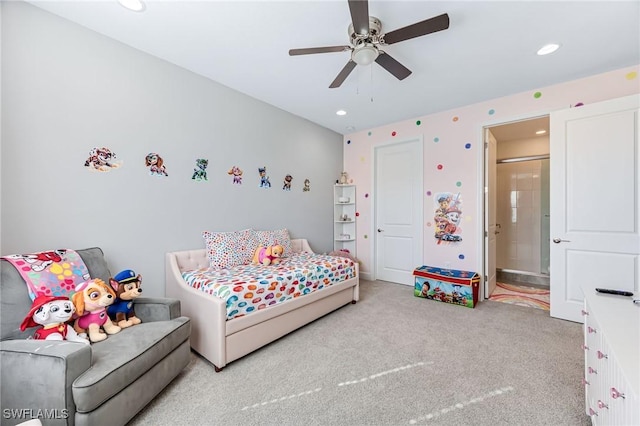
(367, 39)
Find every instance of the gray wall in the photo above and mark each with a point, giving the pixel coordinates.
(66, 90)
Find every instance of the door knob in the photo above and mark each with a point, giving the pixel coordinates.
(380, 230)
(558, 241)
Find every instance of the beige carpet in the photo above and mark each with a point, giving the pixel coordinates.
(521, 296)
(393, 359)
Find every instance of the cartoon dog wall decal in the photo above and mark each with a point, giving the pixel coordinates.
(264, 179)
(307, 186)
(155, 164)
(101, 160)
(200, 171)
(287, 183)
(236, 173)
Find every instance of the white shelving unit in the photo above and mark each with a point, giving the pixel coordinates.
(344, 217)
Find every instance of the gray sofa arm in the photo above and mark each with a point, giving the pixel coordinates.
(38, 375)
(150, 309)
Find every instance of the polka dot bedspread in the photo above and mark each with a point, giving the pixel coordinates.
(247, 288)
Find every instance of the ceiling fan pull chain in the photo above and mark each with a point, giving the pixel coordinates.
(371, 83)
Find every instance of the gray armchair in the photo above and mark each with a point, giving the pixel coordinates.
(105, 383)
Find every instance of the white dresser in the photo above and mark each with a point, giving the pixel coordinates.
(612, 358)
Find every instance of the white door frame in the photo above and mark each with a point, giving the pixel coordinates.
(482, 187)
(372, 230)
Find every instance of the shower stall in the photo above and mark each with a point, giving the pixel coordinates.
(522, 216)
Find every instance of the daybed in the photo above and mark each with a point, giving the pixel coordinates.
(221, 340)
(105, 383)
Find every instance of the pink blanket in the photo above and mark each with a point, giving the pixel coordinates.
(54, 273)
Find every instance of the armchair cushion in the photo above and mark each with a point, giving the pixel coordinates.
(124, 357)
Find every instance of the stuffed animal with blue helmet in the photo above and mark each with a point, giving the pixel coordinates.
(127, 287)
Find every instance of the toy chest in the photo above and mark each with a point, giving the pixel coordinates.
(447, 285)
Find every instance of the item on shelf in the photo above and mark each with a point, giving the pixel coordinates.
(344, 200)
(345, 236)
(344, 178)
(344, 217)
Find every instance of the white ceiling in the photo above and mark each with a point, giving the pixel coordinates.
(488, 51)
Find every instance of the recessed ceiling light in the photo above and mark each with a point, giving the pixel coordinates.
(341, 112)
(541, 132)
(548, 48)
(135, 5)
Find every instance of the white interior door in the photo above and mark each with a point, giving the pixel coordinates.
(595, 197)
(490, 200)
(398, 213)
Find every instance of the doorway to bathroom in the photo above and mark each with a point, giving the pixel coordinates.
(517, 212)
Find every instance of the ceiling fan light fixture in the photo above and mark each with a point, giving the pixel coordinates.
(548, 48)
(364, 54)
(134, 5)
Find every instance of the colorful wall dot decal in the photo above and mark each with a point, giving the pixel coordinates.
(467, 145)
(369, 134)
(428, 193)
(362, 159)
(492, 111)
(357, 214)
(418, 123)
(579, 104)
(349, 141)
(366, 236)
(440, 166)
(631, 75)
(461, 256)
(455, 118)
(393, 133)
(436, 139)
(537, 95)
(366, 195)
(458, 184)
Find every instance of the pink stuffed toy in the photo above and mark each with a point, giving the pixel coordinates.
(269, 255)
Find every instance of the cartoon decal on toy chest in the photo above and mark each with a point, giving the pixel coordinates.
(447, 285)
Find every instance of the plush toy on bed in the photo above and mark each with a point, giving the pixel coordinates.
(51, 313)
(268, 255)
(127, 286)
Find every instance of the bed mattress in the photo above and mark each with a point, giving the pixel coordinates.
(248, 288)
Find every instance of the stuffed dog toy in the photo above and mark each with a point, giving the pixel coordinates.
(91, 300)
(52, 314)
(127, 286)
(268, 255)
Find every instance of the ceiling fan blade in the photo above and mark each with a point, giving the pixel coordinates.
(360, 15)
(310, 50)
(394, 67)
(343, 74)
(418, 29)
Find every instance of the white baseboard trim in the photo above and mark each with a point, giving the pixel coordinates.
(366, 276)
